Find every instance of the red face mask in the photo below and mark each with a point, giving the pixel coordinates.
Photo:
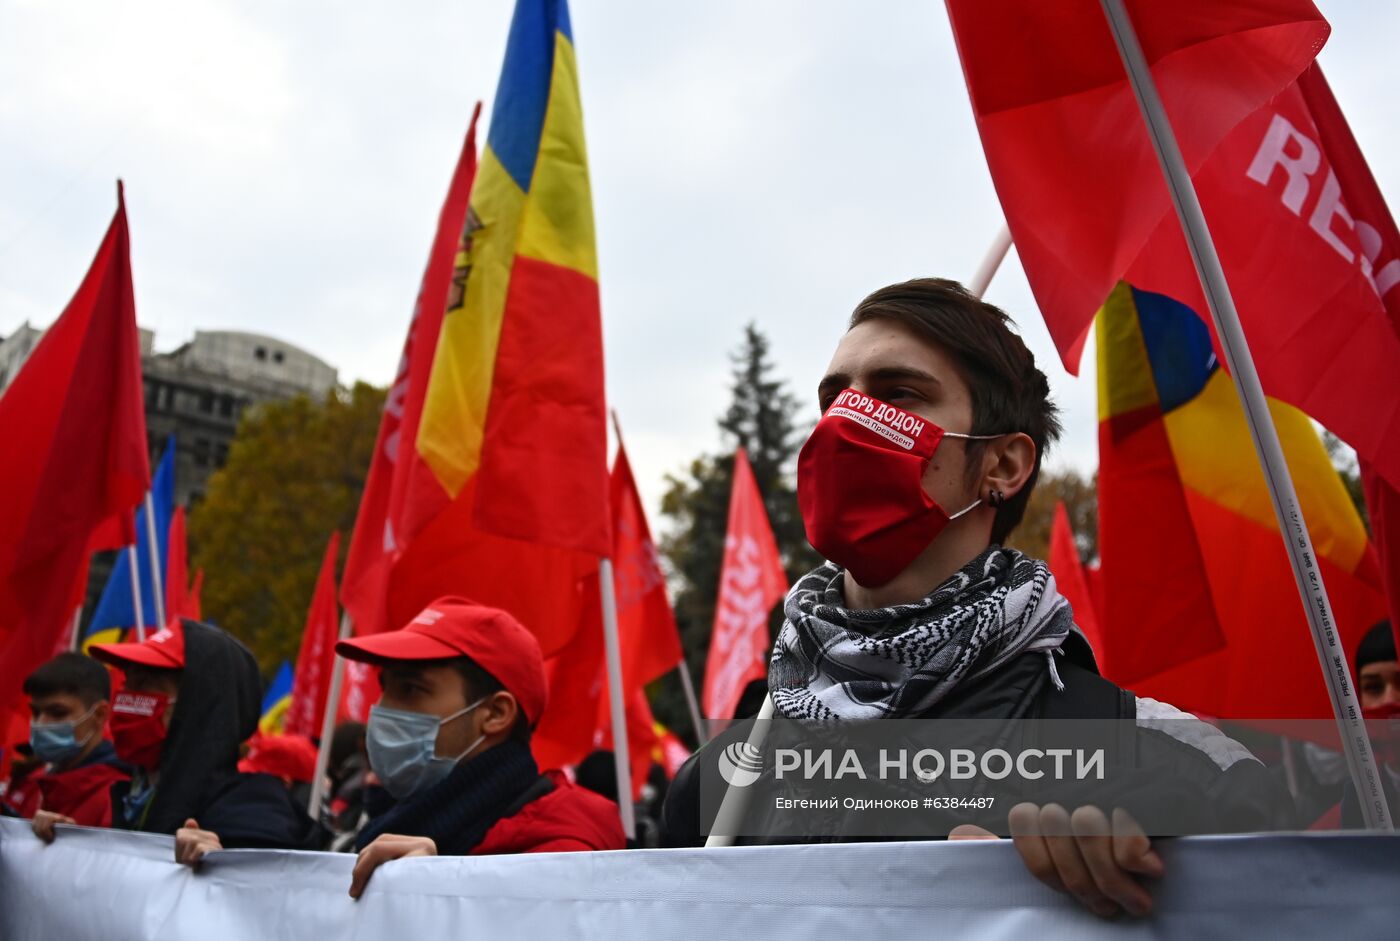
(137, 729)
(860, 486)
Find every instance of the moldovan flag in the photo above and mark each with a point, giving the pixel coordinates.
(514, 422)
(75, 460)
(1199, 605)
(396, 471)
(276, 701)
(311, 682)
(751, 581)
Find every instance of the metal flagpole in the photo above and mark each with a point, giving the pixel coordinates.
(1357, 746)
(323, 750)
(996, 254)
(136, 593)
(701, 731)
(613, 649)
(735, 804)
(157, 576)
(75, 643)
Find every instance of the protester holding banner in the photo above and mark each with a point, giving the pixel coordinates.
(449, 741)
(69, 699)
(935, 421)
(190, 697)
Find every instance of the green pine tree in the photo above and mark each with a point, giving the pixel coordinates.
(762, 419)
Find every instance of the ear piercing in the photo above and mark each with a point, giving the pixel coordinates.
(996, 498)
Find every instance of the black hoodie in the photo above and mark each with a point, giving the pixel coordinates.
(216, 710)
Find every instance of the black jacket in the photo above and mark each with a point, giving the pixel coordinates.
(216, 710)
(1185, 775)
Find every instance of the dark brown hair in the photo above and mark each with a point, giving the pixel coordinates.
(1009, 393)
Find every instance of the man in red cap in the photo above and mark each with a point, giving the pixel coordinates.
(191, 695)
(463, 685)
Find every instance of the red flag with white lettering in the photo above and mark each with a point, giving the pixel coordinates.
(311, 682)
(751, 582)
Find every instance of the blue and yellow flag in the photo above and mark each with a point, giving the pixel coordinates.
(276, 701)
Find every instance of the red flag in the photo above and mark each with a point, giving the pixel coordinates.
(311, 682)
(179, 602)
(358, 692)
(670, 752)
(646, 626)
(1068, 151)
(751, 582)
(75, 464)
(397, 475)
(1068, 570)
(193, 604)
(579, 719)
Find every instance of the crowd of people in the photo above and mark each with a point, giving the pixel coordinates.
(935, 420)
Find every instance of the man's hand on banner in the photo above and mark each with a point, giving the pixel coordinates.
(43, 824)
(191, 843)
(382, 850)
(1081, 855)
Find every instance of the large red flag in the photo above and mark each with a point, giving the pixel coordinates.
(311, 682)
(1068, 570)
(398, 477)
(751, 582)
(580, 717)
(1069, 154)
(75, 464)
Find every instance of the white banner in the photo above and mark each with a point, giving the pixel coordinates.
(108, 885)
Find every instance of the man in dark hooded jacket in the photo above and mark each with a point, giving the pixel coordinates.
(191, 695)
(935, 419)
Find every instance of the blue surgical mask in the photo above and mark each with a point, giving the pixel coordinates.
(402, 748)
(55, 742)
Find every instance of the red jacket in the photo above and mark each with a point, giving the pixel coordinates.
(83, 793)
(567, 819)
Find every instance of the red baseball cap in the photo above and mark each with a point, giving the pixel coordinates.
(165, 650)
(457, 627)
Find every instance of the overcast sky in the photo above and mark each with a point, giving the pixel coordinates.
(751, 160)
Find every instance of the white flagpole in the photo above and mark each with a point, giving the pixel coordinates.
(136, 592)
(1356, 744)
(701, 731)
(735, 804)
(75, 644)
(613, 649)
(996, 254)
(323, 750)
(157, 576)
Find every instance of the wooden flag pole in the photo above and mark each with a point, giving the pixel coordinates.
(323, 748)
(1357, 745)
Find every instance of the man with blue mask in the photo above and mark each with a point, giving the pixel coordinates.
(449, 740)
(69, 703)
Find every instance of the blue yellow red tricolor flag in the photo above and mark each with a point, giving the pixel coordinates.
(276, 701)
(514, 421)
(1199, 606)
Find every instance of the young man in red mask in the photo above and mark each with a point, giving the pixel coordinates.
(69, 701)
(934, 422)
(190, 696)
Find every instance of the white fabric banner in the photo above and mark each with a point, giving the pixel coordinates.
(108, 885)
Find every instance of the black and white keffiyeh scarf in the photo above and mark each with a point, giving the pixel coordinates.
(835, 663)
